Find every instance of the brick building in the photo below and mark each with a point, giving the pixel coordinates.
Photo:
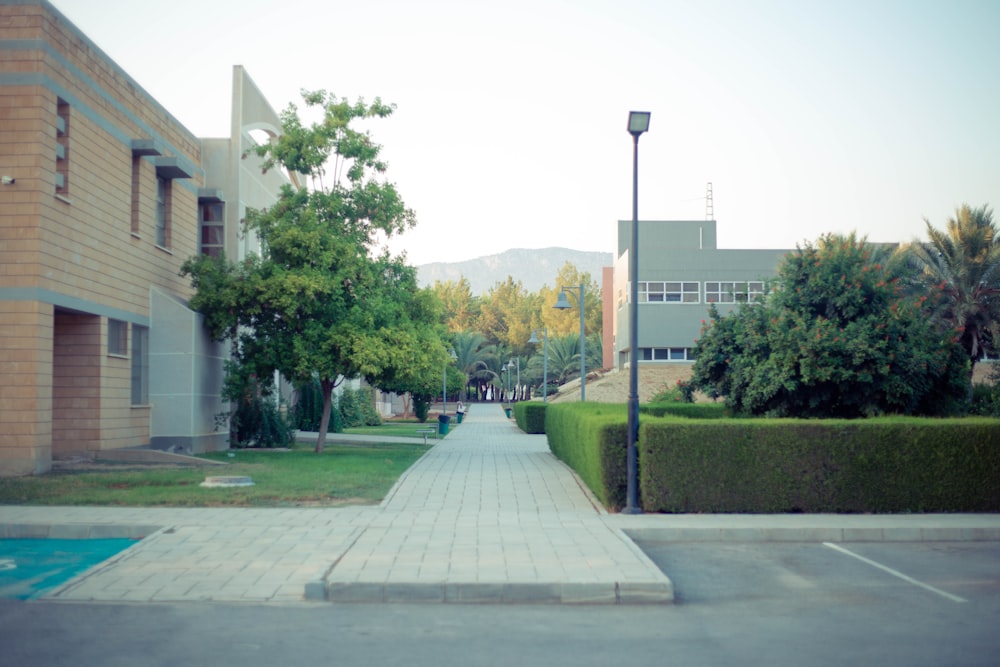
(104, 196)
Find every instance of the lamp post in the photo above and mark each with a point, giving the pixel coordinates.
(638, 122)
(562, 303)
(545, 362)
(444, 383)
(510, 364)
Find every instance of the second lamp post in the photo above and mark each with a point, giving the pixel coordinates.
(562, 303)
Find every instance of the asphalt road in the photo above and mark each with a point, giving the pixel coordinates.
(738, 604)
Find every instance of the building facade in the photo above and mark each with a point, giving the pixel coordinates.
(681, 272)
(104, 197)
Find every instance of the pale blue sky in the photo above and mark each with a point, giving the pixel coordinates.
(808, 117)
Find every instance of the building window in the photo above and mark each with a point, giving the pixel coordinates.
(733, 291)
(140, 365)
(62, 147)
(136, 176)
(668, 292)
(213, 237)
(666, 354)
(163, 194)
(117, 337)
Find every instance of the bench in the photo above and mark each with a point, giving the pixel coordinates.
(426, 432)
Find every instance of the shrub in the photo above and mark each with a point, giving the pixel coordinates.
(307, 411)
(530, 416)
(255, 420)
(681, 392)
(591, 439)
(766, 465)
(421, 406)
(357, 408)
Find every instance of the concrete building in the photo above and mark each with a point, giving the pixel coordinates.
(104, 196)
(681, 271)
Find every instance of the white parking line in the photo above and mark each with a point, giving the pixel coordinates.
(895, 573)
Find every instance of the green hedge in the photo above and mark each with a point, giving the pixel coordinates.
(765, 465)
(591, 439)
(688, 410)
(530, 416)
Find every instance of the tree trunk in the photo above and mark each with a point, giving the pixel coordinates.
(324, 421)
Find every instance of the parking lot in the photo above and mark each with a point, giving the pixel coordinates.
(898, 603)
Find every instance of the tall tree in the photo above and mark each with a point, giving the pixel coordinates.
(324, 300)
(472, 352)
(838, 337)
(507, 313)
(561, 322)
(461, 308)
(962, 263)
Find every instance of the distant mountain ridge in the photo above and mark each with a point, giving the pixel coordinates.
(533, 267)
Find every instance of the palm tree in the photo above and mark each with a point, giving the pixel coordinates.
(473, 356)
(963, 264)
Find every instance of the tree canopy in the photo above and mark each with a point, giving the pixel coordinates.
(324, 301)
(836, 337)
(962, 265)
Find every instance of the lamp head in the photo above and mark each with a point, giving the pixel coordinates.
(638, 122)
(534, 338)
(562, 303)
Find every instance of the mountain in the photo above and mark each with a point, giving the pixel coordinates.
(534, 268)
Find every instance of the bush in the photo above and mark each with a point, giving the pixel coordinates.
(688, 410)
(877, 465)
(307, 411)
(985, 400)
(357, 408)
(255, 420)
(681, 392)
(530, 416)
(421, 406)
(591, 439)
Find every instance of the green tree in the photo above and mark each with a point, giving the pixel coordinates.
(561, 322)
(323, 301)
(506, 314)
(473, 352)
(461, 308)
(962, 264)
(838, 337)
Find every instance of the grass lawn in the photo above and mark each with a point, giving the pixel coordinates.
(341, 475)
(407, 429)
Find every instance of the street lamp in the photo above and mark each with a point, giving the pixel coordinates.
(638, 122)
(444, 383)
(545, 362)
(562, 303)
(510, 364)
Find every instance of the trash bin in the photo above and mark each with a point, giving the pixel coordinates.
(458, 417)
(443, 424)
(507, 410)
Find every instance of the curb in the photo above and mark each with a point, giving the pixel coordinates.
(618, 593)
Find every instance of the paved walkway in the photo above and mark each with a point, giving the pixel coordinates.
(487, 515)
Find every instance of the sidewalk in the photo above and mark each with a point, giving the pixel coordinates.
(487, 515)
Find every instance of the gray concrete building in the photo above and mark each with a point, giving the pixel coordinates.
(681, 272)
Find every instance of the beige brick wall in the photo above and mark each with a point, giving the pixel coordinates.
(81, 245)
(25, 393)
(76, 389)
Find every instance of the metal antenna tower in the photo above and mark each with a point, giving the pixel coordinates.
(709, 205)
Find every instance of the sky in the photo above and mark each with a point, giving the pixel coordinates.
(807, 117)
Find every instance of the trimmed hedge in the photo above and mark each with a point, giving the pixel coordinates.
(591, 439)
(767, 465)
(530, 416)
(688, 410)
